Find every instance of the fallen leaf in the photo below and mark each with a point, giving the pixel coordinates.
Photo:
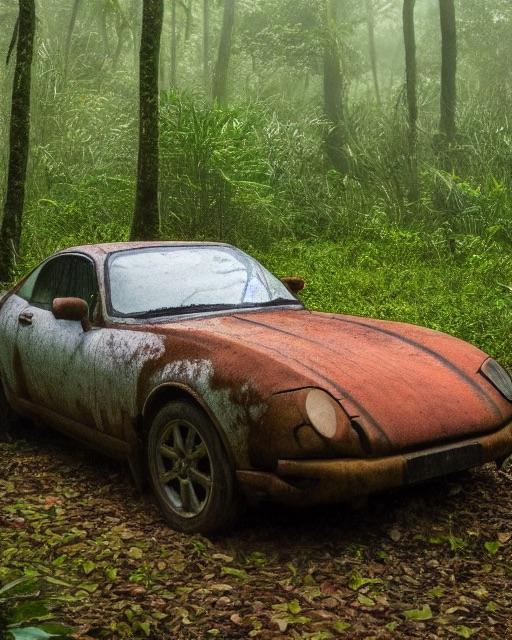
(365, 600)
(425, 613)
(492, 547)
(88, 567)
(236, 618)
(224, 558)
(241, 574)
(357, 581)
(464, 632)
(394, 534)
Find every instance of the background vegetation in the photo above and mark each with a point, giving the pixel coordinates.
(286, 127)
(252, 169)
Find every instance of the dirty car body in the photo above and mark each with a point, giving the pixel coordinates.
(306, 407)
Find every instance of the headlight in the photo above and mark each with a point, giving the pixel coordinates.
(303, 424)
(498, 376)
(322, 412)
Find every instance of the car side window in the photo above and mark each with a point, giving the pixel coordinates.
(66, 276)
(27, 288)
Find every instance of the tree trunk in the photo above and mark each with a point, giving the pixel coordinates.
(188, 19)
(373, 49)
(69, 35)
(220, 75)
(206, 45)
(333, 93)
(412, 96)
(19, 139)
(447, 125)
(146, 220)
(135, 17)
(103, 28)
(174, 44)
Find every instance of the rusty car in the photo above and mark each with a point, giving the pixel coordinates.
(211, 378)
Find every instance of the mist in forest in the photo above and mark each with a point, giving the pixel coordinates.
(278, 119)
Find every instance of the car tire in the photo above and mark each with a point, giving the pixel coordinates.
(8, 418)
(191, 474)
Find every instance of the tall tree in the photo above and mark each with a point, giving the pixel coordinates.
(335, 143)
(206, 45)
(122, 27)
(146, 219)
(135, 19)
(19, 139)
(220, 74)
(447, 125)
(174, 44)
(412, 95)
(69, 35)
(370, 18)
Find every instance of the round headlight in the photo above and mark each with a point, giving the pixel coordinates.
(498, 376)
(322, 410)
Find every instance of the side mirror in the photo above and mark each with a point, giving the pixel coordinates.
(74, 309)
(295, 285)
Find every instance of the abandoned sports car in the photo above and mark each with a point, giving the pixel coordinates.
(210, 377)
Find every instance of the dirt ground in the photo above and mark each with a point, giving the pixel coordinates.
(428, 562)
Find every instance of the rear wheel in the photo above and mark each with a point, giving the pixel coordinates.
(191, 474)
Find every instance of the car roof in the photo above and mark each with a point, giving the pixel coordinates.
(111, 247)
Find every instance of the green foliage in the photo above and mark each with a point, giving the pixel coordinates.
(214, 173)
(410, 277)
(21, 605)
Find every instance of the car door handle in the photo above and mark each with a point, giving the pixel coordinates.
(25, 318)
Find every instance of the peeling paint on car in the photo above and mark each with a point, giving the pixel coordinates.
(120, 358)
(235, 417)
(10, 311)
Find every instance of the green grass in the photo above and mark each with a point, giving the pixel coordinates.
(405, 277)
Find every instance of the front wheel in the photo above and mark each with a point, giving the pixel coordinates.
(191, 475)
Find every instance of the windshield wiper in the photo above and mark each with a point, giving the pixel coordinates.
(197, 308)
(192, 308)
(279, 302)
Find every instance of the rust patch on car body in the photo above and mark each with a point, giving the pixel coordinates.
(341, 480)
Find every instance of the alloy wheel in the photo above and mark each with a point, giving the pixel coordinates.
(185, 471)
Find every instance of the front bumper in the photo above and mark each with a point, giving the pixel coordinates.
(307, 482)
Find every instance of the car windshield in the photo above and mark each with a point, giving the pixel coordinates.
(186, 279)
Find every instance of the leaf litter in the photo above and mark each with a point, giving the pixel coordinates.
(433, 561)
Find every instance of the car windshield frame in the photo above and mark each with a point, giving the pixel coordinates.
(165, 312)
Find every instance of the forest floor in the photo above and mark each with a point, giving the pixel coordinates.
(433, 561)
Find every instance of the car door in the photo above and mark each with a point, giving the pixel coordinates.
(57, 356)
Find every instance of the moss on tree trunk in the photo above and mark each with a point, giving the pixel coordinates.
(447, 125)
(19, 138)
(335, 143)
(146, 220)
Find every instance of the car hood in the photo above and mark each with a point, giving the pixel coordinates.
(404, 385)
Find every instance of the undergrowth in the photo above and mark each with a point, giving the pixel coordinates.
(248, 175)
